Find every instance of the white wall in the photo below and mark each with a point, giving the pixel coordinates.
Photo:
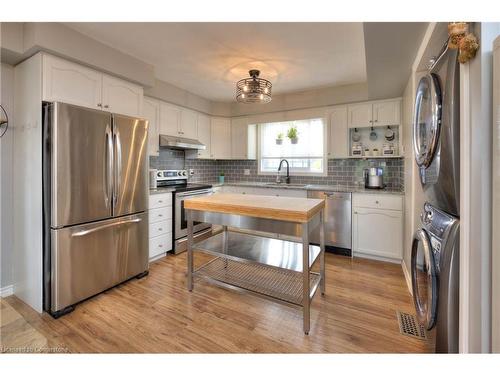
(475, 194)
(6, 143)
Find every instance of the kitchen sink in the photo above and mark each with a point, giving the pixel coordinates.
(285, 185)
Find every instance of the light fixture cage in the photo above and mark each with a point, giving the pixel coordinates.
(253, 89)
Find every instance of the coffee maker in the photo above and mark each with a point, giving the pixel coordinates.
(374, 178)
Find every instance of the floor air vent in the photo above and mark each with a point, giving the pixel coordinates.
(409, 326)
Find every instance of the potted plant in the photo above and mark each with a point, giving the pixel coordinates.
(279, 139)
(221, 177)
(293, 134)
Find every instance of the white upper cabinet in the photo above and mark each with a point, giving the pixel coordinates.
(220, 138)
(243, 139)
(189, 124)
(379, 113)
(120, 96)
(360, 115)
(204, 136)
(71, 83)
(387, 113)
(170, 119)
(337, 143)
(151, 112)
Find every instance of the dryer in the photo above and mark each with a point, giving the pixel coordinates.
(434, 275)
(436, 132)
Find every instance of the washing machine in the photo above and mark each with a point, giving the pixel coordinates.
(436, 132)
(434, 275)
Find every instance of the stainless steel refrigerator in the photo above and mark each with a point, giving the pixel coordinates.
(95, 169)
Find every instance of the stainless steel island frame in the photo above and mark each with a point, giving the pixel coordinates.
(269, 267)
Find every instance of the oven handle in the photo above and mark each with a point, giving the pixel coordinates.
(197, 192)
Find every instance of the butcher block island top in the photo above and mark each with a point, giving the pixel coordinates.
(298, 210)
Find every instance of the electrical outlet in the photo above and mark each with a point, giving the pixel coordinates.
(191, 172)
(246, 172)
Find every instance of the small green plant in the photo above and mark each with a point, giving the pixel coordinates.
(293, 134)
(279, 139)
(221, 174)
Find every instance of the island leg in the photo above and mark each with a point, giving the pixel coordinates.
(322, 249)
(225, 241)
(189, 218)
(306, 301)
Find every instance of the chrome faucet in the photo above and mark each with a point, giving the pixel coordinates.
(278, 177)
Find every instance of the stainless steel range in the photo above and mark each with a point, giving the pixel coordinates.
(178, 179)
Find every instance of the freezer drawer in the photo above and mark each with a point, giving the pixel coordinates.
(338, 220)
(88, 259)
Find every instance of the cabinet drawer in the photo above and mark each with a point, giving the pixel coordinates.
(160, 200)
(159, 245)
(160, 214)
(159, 228)
(386, 202)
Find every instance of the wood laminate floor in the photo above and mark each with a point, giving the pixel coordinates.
(157, 314)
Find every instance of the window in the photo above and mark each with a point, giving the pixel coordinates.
(306, 157)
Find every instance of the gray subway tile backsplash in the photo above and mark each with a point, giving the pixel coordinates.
(341, 172)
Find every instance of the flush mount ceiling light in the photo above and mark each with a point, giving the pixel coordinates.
(253, 89)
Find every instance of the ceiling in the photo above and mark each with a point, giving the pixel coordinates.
(208, 58)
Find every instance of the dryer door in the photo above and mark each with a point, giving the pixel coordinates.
(424, 279)
(427, 121)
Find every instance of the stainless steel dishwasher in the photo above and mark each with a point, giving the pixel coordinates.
(338, 223)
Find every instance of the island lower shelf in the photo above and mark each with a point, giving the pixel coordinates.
(249, 248)
(266, 266)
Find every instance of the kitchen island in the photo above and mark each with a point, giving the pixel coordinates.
(273, 268)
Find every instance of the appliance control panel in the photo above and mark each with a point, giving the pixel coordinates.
(171, 174)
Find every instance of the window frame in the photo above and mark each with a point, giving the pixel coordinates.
(292, 172)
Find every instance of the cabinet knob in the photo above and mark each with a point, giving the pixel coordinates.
(160, 229)
(160, 215)
(106, 106)
(99, 104)
(376, 202)
(160, 245)
(160, 201)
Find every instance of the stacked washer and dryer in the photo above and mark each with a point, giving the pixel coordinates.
(435, 248)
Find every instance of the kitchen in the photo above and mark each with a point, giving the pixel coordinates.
(234, 206)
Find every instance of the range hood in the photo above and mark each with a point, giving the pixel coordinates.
(180, 143)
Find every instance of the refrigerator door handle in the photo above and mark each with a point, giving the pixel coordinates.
(101, 227)
(118, 166)
(109, 165)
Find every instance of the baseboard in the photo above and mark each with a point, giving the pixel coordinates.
(376, 257)
(6, 291)
(407, 276)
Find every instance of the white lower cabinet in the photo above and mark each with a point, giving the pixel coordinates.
(160, 225)
(377, 226)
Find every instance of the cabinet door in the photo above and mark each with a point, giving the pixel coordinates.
(189, 124)
(119, 96)
(360, 115)
(239, 138)
(377, 232)
(387, 113)
(170, 119)
(220, 138)
(204, 136)
(338, 138)
(70, 83)
(151, 112)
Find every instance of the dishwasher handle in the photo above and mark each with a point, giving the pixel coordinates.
(337, 195)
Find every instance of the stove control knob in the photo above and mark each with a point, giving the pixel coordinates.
(184, 173)
(158, 174)
(179, 173)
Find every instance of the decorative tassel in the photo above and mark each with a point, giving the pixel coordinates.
(463, 40)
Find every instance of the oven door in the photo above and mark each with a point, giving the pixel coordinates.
(180, 213)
